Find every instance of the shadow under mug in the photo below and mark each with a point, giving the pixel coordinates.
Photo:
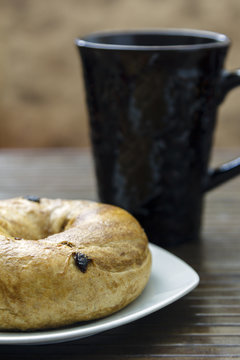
(152, 99)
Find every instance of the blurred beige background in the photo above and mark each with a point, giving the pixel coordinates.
(42, 101)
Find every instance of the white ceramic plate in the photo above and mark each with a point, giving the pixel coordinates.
(171, 278)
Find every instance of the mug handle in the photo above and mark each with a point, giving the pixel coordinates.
(217, 176)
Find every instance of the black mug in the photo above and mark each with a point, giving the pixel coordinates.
(153, 98)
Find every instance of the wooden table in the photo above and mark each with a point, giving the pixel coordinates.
(203, 324)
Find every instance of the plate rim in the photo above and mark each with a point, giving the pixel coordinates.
(77, 332)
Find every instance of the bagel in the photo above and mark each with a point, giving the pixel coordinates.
(65, 261)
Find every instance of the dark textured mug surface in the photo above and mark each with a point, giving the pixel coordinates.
(153, 99)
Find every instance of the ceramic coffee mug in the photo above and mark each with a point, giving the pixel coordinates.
(153, 97)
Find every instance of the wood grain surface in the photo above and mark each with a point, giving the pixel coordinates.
(205, 324)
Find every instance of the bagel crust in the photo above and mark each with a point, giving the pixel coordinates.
(65, 261)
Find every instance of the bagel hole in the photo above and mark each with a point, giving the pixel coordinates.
(64, 224)
(32, 227)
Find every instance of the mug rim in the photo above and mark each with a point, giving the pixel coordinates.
(221, 40)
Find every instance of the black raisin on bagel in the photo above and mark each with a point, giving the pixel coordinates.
(65, 261)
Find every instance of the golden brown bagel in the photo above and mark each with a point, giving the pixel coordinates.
(66, 261)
